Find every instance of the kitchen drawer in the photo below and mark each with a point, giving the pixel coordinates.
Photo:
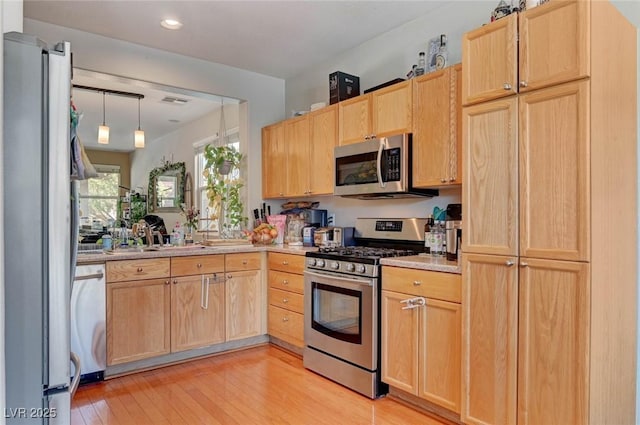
(286, 281)
(287, 300)
(286, 262)
(422, 283)
(148, 268)
(286, 325)
(243, 261)
(197, 264)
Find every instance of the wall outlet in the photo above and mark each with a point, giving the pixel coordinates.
(331, 219)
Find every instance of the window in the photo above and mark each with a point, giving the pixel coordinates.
(99, 197)
(201, 182)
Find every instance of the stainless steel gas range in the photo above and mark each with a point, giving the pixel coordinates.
(342, 302)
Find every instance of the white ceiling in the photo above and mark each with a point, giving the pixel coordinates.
(277, 38)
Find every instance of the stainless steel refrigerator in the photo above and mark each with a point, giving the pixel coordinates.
(37, 224)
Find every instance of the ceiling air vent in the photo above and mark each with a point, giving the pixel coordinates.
(174, 100)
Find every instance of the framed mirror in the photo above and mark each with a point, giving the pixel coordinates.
(166, 187)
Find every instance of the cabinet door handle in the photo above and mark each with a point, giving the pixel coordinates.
(523, 84)
(284, 300)
(452, 179)
(412, 303)
(166, 282)
(509, 263)
(506, 86)
(175, 281)
(139, 269)
(524, 264)
(204, 292)
(443, 180)
(417, 283)
(285, 319)
(229, 276)
(285, 282)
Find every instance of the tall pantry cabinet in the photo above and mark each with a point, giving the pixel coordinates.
(549, 277)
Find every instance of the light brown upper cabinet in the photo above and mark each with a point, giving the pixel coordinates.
(490, 192)
(554, 172)
(553, 48)
(274, 173)
(436, 128)
(297, 155)
(323, 124)
(380, 113)
(296, 136)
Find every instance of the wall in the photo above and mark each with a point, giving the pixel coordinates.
(264, 95)
(178, 146)
(121, 159)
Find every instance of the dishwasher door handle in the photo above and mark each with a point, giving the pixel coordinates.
(89, 276)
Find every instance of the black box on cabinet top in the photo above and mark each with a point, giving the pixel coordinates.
(343, 86)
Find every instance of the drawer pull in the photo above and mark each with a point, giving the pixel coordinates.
(285, 282)
(139, 270)
(417, 283)
(285, 319)
(284, 300)
(285, 263)
(198, 265)
(244, 262)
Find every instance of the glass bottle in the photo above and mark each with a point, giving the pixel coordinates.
(421, 64)
(427, 234)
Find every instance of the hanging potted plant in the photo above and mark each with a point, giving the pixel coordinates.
(222, 172)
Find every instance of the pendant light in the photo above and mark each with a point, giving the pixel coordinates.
(138, 135)
(103, 130)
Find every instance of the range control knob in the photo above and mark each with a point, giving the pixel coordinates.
(350, 267)
(320, 263)
(311, 262)
(360, 268)
(335, 265)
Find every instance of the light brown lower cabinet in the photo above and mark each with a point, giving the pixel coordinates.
(197, 311)
(286, 297)
(138, 319)
(421, 344)
(195, 304)
(243, 304)
(525, 341)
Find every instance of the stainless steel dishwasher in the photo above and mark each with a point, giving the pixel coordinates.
(88, 321)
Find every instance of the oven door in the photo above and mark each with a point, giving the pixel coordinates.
(341, 317)
(372, 167)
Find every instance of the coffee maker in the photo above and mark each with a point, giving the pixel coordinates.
(453, 231)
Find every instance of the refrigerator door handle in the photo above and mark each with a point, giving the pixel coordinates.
(76, 376)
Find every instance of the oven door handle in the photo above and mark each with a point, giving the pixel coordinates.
(342, 281)
(381, 147)
(413, 303)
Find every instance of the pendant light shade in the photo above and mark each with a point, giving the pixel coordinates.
(138, 135)
(103, 130)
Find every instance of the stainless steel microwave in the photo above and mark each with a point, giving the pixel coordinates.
(376, 168)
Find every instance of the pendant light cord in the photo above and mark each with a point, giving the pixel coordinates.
(103, 109)
(138, 113)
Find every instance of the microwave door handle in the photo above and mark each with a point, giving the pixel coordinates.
(383, 144)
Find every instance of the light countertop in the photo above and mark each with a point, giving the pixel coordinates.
(423, 262)
(133, 253)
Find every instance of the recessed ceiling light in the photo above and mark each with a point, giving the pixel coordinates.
(171, 24)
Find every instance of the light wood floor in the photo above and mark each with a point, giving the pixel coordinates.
(261, 385)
